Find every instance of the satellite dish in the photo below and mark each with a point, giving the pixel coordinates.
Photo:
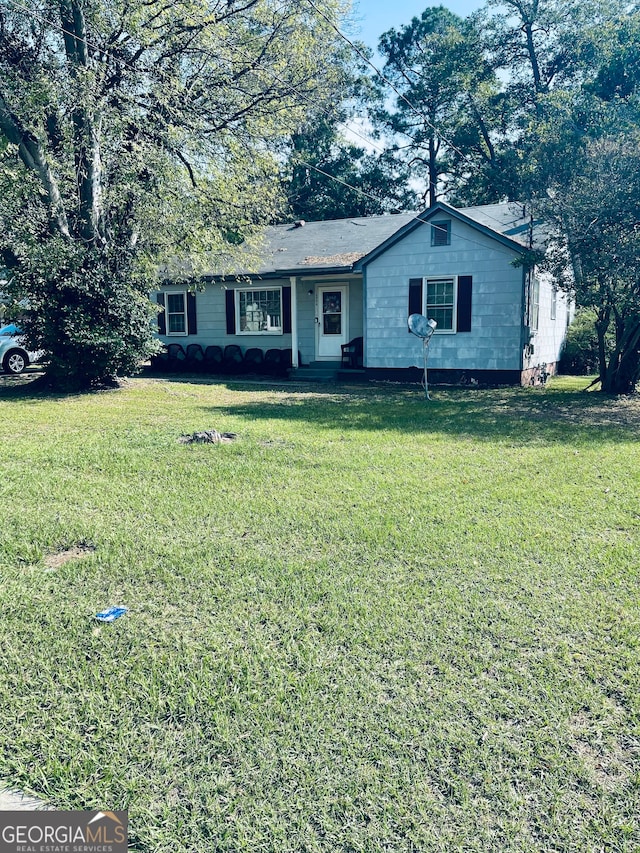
(420, 326)
(423, 328)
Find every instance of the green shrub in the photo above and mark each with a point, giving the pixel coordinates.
(580, 354)
(89, 313)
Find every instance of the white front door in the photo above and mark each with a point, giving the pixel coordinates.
(332, 321)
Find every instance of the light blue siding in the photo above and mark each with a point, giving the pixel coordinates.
(212, 318)
(495, 339)
(306, 321)
(547, 341)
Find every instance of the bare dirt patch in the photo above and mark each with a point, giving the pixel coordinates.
(607, 758)
(584, 410)
(75, 552)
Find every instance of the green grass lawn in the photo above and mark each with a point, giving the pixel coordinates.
(371, 623)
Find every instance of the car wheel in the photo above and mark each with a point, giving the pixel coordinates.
(15, 361)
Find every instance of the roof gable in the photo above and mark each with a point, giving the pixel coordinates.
(506, 237)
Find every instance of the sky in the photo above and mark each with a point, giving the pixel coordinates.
(374, 17)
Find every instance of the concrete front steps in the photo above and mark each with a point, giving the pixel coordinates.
(326, 371)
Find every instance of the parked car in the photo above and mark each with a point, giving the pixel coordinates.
(14, 356)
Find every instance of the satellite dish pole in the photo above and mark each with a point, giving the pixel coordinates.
(423, 328)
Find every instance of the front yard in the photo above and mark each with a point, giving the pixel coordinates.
(370, 623)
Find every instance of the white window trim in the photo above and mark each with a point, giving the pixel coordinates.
(534, 320)
(454, 278)
(182, 293)
(270, 332)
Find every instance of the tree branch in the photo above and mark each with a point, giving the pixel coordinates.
(32, 155)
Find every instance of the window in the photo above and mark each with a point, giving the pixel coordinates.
(554, 302)
(441, 302)
(535, 303)
(448, 300)
(259, 312)
(176, 313)
(441, 233)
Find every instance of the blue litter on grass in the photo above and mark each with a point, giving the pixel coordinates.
(111, 614)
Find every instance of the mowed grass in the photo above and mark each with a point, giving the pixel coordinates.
(371, 623)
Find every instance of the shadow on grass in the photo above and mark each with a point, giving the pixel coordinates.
(561, 412)
(32, 386)
(28, 387)
(512, 415)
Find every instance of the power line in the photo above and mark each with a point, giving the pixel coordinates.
(417, 217)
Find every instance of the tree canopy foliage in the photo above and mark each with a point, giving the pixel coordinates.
(136, 132)
(330, 177)
(445, 101)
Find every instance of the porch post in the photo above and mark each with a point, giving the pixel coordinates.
(294, 321)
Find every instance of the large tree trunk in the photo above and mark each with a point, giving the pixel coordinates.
(602, 325)
(86, 128)
(622, 374)
(433, 172)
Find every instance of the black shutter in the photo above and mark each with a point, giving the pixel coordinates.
(464, 303)
(286, 310)
(162, 320)
(415, 296)
(192, 323)
(231, 311)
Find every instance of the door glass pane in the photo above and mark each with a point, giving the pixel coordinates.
(332, 312)
(332, 302)
(332, 324)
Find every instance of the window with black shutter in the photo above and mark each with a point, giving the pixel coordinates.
(447, 300)
(258, 310)
(179, 314)
(415, 297)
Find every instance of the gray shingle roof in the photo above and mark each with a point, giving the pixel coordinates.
(336, 245)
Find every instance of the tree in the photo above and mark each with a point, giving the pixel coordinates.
(329, 177)
(598, 212)
(585, 170)
(446, 103)
(544, 51)
(138, 133)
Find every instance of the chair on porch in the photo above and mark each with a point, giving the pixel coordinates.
(232, 359)
(176, 358)
(253, 360)
(195, 358)
(352, 353)
(273, 364)
(213, 358)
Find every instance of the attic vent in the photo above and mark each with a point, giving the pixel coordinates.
(441, 233)
(299, 223)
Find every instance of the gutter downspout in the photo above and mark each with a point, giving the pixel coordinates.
(294, 321)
